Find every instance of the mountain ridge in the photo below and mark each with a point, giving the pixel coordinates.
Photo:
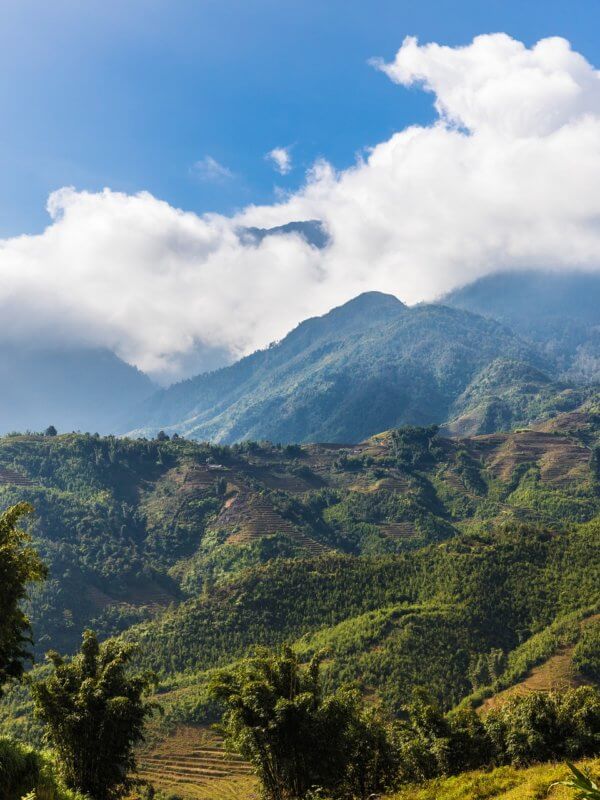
(372, 357)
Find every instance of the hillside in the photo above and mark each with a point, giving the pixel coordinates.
(559, 312)
(502, 783)
(461, 565)
(367, 366)
(131, 526)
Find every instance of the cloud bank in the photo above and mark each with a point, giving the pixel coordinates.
(508, 176)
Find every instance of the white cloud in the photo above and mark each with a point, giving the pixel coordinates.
(281, 159)
(209, 169)
(507, 177)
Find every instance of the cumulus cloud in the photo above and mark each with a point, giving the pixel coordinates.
(209, 169)
(508, 176)
(281, 159)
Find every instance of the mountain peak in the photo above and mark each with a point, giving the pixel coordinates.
(363, 311)
(368, 301)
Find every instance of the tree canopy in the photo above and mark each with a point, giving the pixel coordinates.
(94, 709)
(298, 738)
(19, 565)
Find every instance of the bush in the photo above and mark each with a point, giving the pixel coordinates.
(24, 771)
(544, 727)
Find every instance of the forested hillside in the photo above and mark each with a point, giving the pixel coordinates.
(129, 527)
(466, 566)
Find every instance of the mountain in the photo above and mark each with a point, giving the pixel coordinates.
(312, 230)
(559, 312)
(77, 389)
(368, 365)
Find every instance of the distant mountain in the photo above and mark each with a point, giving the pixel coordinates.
(84, 389)
(559, 312)
(312, 230)
(366, 366)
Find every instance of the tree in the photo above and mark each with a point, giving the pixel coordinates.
(50, 431)
(297, 738)
(95, 709)
(19, 565)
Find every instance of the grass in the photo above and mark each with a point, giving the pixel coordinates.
(503, 783)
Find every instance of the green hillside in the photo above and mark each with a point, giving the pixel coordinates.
(129, 527)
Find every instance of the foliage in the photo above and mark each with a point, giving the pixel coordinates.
(95, 712)
(19, 565)
(500, 783)
(540, 727)
(585, 787)
(365, 367)
(23, 771)
(415, 448)
(523, 730)
(297, 738)
(586, 657)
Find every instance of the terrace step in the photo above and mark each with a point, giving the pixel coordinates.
(10, 476)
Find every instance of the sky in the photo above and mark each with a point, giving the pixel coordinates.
(137, 137)
(131, 94)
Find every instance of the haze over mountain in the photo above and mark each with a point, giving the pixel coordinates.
(81, 389)
(500, 352)
(366, 366)
(559, 312)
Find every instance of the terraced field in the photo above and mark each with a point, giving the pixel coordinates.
(192, 763)
(553, 675)
(561, 459)
(9, 476)
(251, 516)
(398, 530)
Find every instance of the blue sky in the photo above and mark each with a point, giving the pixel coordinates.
(131, 94)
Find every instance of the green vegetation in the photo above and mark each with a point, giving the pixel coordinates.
(19, 565)
(587, 653)
(585, 787)
(298, 738)
(502, 783)
(370, 365)
(94, 712)
(23, 771)
(416, 563)
(129, 527)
